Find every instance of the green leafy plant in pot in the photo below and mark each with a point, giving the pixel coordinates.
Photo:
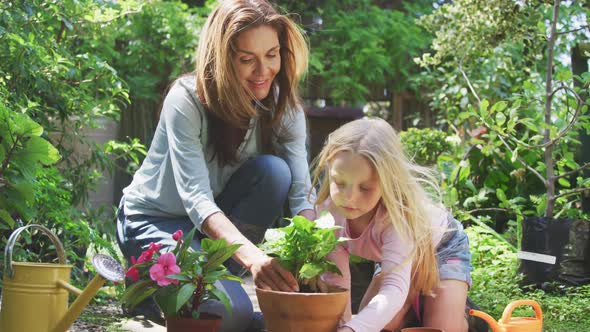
(302, 248)
(180, 281)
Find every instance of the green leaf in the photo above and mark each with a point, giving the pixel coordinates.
(132, 291)
(220, 256)
(232, 277)
(166, 299)
(500, 119)
(26, 189)
(499, 107)
(4, 215)
(221, 296)
(211, 246)
(514, 155)
(38, 149)
(142, 295)
(501, 195)
(483, 108)
(564, 182)
(310, 270)
(25, 126)
(178, 277)
(183, 295)
(213, 275)
(464, 172)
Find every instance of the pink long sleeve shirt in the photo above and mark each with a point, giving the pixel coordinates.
(379, 242)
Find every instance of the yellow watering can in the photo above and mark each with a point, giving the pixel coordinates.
(35, 295)
(514, 324)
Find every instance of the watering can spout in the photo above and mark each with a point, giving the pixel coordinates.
(43, 288)
(487, 318)
(107, 269)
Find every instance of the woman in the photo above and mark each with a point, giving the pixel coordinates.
(229, 148)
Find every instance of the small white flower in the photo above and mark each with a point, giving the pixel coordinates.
(273, 235)
(326, 220)
(453, 139)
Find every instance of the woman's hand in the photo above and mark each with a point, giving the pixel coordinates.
(267, 273)
(344, 329)
(309, 214)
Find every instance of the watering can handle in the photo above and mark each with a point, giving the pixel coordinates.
(12, 240)
(507, 315)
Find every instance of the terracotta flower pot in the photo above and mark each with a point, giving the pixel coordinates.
(422, 329)
(294, 312)
(206, 323)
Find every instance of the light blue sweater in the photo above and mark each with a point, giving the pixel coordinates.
(178, 177)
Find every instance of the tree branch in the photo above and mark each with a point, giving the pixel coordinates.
(548, 155)
(77, 83)
(468, 82)
(572, 192)
(562, 132)
(573, 30)
(490, 209)
(532, 170)
(572, 172)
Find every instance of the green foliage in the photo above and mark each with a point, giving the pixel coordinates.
(361, 48)
(194, 284)
(52, 209)
(495, 285)
(495, 43)
(424, 146)
(302, 247)
(151, 47)
(489, 80)
(54, 87)
(22, 153)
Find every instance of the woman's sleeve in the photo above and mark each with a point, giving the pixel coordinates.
(183, 122)
(392, 295)
(290, 145)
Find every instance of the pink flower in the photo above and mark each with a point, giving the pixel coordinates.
(132, 274)
(149, 253)
(177, 236)
(166, 265)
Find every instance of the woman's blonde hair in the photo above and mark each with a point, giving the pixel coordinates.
(217, 82)
(403, 192)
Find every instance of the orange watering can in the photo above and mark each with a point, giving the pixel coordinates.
(35, 295)
(514, 324)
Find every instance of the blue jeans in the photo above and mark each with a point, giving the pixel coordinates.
(253, 199)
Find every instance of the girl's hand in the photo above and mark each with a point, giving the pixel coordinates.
(317, 284)
(344, 329)
(268, 274)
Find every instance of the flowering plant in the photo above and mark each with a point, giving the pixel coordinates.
(180, 280)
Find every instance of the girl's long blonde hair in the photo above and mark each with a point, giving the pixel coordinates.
(402, 185)
(217, 81)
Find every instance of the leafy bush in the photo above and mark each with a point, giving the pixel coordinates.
(424, 146)
(22, 153)
(51, 90)
(361, 48)
(497, 76)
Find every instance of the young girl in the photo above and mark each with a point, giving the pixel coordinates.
(378, 198)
